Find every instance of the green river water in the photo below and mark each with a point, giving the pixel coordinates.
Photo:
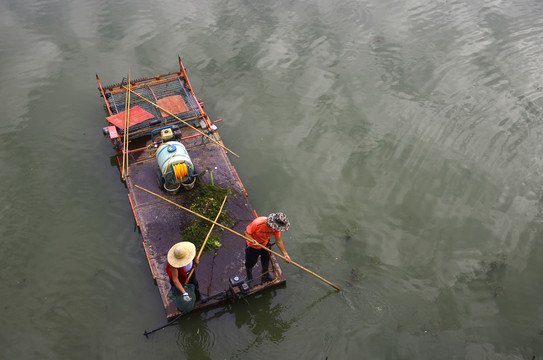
(403, 139)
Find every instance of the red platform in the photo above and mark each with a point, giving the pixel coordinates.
(137, 115)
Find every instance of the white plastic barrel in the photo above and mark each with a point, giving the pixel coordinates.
(170, 154)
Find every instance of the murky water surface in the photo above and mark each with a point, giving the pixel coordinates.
(403, 139)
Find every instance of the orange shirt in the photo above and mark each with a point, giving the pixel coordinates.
(261, 232)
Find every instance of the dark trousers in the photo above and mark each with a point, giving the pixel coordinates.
(251, 257)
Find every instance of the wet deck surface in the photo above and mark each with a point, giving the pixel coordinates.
(161, 222)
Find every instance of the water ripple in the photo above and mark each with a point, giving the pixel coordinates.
(371, 306)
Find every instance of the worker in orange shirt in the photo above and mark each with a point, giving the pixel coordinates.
(260, 231)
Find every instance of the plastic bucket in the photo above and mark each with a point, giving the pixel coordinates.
(189, 186)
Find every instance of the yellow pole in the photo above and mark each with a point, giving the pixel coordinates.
(126, 126)
(243, 236)
(207, 237)
(183, 121)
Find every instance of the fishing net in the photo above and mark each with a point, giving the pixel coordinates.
(183, 305)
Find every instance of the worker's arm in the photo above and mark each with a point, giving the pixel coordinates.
(175, 280)
(247, 235)
(281, 247)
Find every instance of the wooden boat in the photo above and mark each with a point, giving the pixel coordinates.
(154, 109)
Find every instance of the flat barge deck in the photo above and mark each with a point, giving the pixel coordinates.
(157, 102)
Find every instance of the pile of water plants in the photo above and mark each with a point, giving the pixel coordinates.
(207, 200)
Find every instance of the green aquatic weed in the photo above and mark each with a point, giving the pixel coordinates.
(206, 201)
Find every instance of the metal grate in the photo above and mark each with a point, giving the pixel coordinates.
(154, 92)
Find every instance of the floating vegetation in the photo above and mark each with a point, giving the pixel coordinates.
(498, 264)
(207, 201)
(357, 275)
(490, 274)
(349, 233)
(375, 260)
(494, 271)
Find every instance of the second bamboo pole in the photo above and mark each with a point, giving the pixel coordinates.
(207, 237)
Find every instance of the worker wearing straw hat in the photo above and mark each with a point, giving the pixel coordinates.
(180, 262)
(260, 231)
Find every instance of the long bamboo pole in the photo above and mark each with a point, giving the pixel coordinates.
(124, 136)
(243, 236)
(126, 126)
(207, 237)
(183, 121)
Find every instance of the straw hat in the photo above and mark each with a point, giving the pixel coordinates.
(181, 254)
(278, 221)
